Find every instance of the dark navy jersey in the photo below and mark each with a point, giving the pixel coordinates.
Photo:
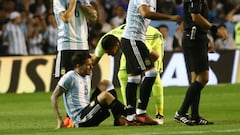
(195, 7)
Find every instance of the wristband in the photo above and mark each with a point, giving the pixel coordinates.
(214, 29)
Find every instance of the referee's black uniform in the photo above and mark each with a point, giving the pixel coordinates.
(195, 50)
(195, 41)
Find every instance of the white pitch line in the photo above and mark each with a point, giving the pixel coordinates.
(189, 132)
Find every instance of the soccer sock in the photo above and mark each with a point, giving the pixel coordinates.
(131, 93)
(189, 96)
(145, 91)
(117, 109)
(114, 93)
(157, 93)
(196, 100)
(96, 92)
(122, 77)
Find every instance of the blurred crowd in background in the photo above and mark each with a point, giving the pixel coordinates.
(28, 27)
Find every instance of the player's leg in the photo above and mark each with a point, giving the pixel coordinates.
(134, 77)
(150, 73)
(201, 76)
(157, 93)
(106, 94)
(93, 114)
(122, 77)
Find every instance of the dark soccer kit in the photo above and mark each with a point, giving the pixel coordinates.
(195, 41)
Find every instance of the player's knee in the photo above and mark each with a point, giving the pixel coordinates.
(151, 73)
(134, 79)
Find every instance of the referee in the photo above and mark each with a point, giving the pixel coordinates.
(195, 49)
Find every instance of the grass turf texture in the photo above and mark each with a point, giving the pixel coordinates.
(31, 114)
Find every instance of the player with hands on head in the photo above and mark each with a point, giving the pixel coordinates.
(195, 50)
(71, 17)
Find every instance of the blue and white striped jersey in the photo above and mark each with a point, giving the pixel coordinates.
(16, 40)
(77, 94)
(136, 25)
(72, 35)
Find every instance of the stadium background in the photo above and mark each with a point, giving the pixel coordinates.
(28, 74)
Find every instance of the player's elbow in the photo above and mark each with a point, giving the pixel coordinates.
(65, 18)
(145, 14)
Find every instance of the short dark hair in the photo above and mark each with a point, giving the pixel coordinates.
(109, 41)
(80, 58)
(222, 25)
(163, 26)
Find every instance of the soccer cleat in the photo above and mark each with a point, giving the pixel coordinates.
(159, 119)
(68, 123)
(145, 119)
(202, 121)
(184, 119)
(120, 122)
(133, 123)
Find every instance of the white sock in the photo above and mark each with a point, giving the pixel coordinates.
(140, 111)
(131, 117)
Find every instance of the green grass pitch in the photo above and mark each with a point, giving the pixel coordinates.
(31, 114)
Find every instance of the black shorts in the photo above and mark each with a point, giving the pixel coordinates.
(93, 114)
(196, 52)
(64, 62)
(137, 55)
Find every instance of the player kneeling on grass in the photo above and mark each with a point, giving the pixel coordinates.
(83, 110)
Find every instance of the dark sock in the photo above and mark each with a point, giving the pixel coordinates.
(114, 93)
(145, 92)
(131, 93)
(117, 109)
(96, 92)
(189, 97)
(196, 100)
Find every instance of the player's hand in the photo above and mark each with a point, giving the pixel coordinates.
(211, 48)
(176, 18)
(222, 32)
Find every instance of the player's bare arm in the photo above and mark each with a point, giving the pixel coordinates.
(154, 54)
(55, 104)
(147, 13)
(89, 12)
(67, 15)
(201, 21)
(95, 59)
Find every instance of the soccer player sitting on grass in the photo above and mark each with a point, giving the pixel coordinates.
(110, 44)
(83, 110)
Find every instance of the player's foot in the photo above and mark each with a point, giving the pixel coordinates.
(202, 121)
(184, 119)
(133, 123)
(68, 123)
(159, 119)
(145, 119)
(120, 122)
